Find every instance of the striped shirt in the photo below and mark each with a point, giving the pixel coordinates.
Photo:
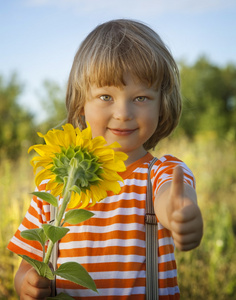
(111, 245)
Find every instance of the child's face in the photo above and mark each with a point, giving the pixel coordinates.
(128, 115)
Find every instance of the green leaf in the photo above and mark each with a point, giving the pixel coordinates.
(76, 216)
(62, 296)
(76, 273)
(36, 234)
(42, 268)
(54, 233)
(47, 197)
(75, 189)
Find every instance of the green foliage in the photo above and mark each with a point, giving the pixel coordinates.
(42, 268)
(76, 273)
(76, 216)
(16, 123)
(16, 181)
(53, 103)
(61, 296)
(46, 197)
(54, 233)
(36, 234)
(209, 96)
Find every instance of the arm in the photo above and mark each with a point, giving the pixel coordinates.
(29, 285)
(176, 208)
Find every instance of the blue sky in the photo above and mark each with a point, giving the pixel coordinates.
(39, 38)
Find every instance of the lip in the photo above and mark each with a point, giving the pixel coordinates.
(122, 132)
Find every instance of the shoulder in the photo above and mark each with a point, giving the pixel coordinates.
(163, 169)
(168, 162)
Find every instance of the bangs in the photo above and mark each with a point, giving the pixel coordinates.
(115, 53)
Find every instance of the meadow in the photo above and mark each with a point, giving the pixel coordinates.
(208, 272)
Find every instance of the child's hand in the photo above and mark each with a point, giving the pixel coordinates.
(34, 286)
(184, 215)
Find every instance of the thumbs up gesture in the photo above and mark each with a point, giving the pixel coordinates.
(182, 216)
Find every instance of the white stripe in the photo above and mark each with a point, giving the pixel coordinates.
(107, 228)
(125, 196)
(119, 211)
(32, 219)
(166, 241)
(137, 182)
(26, 247)
(168, 291)
(105, 292)
(168, 274)
(118, 275)
(102, 244)
(112, 258)
(141, 170)
(166, 257)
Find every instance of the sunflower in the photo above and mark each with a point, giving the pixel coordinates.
(72, 153)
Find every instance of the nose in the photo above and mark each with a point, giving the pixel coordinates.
(123, 111)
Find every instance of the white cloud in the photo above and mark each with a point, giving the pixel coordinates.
(137, 7)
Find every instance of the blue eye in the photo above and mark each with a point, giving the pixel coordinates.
(141, 99)
(106, 98)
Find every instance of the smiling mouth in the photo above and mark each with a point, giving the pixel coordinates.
(122, 132)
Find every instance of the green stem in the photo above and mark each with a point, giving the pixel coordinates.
(66, 200)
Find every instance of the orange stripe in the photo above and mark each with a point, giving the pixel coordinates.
(132, 234)
(14, 248)
(106, 283)
(130, 297)
(167, 266)
(162, 250)
(163, 233)
(117, 267)
(112, 250)
(130, 203)
(118, 219)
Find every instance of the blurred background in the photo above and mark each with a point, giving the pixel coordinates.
(38, 40)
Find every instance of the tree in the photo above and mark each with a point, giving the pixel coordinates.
(16, 123)
(209, 96)
(53, 103)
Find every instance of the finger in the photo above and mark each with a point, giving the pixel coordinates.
(184, 228)
(187, 213)
(39, 294)
(186, 247)
(177, 188)
(185, 239)
(38, 281)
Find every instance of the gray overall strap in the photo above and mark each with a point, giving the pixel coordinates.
(151, 242)
(54, 254)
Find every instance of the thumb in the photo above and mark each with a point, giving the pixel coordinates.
(177, 189)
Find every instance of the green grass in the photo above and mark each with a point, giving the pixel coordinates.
(208, 272)
(15, 185)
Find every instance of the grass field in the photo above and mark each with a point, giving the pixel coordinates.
(209, 272)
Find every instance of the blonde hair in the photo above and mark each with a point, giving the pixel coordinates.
(125, 46)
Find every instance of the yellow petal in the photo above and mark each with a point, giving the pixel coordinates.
(87, 133)
(110, 175)
(42, 175)
(112, 186)
(120, 155)
(117, 166)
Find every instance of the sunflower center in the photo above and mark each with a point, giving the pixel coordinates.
(86, 167)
